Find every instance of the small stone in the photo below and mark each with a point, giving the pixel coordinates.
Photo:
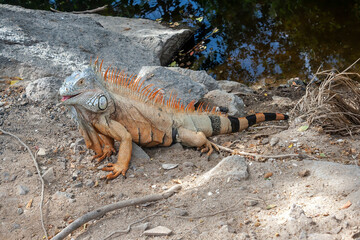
(265, 141)
(89, 183)
(28, 173)
(102, 194)
(188, 164)
(141, 227)
(20, 211)
(274, 141)
(6, 176)
(339, 216)
(49, 175)
(62, 195)
(13, 177)
(41, 152)
(304, 173)
(23, 190)
(2, 104)
(181, 212)
(251, 203)
(158, 231)
(176, 146)
(78, 185)
(15, 226)
(72, 200)
(168, 166)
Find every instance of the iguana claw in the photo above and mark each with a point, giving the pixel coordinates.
(116, 170)
(107, 152)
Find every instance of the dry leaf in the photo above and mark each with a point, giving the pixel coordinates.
(346, 205)
(29, 204)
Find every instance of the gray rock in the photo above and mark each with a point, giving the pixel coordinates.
(28, 173)
(62, 196)
(158, 231)
(169, 166)
(23, 190)
(235, 87)
(77, 185)
(141, 227)
(181, 212)
(44, 89)
(5, 176)
(89, 183)
(274, 141)
(219, 98)
(35, 43)
(282, 101)
(232, 167)
(251, 203)
(176, 146)
(13, 177)
(138, 154)
(49, 175)
(172, 82)
(188, 164)
(198, 76)
(20, 211)
(16, 226)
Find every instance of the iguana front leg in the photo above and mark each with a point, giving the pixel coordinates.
(195, 139)
(115, 130)
(91, 139)
(108, 147)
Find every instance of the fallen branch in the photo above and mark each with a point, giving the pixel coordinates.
(114, 206)
(129, 227)
(99, 9)
(39, 174)
(236, 152)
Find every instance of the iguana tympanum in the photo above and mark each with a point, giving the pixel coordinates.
(113, 106)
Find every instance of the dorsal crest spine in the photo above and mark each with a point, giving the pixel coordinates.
(119, 81)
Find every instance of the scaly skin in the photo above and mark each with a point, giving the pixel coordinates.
(111, 106)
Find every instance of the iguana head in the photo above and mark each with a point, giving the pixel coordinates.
(83, 89)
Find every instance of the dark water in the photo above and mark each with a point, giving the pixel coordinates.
(255, 39)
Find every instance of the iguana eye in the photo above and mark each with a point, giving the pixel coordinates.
(81, 81)
(103, 102)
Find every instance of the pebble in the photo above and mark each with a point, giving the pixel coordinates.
(2, 104)
(142, 227)
(273, 141)
(158, 231)
(89, 183)
(13, 177)
(77, 185)
(49, 175)
(181, 212)
(28, 173)
(251, 203)
(15, 226)
(62, 195)
(188, 164)
(6, 176)
(41, 152)
(168, 166)
(20, 211)
(23, 190)
(304, 173)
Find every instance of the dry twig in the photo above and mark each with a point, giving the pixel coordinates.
(130, 225)
(114, 206)
(99, 9)
(39, 174)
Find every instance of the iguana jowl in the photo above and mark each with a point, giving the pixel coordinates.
(113, 106)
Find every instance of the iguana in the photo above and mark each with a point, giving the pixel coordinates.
(113, 106)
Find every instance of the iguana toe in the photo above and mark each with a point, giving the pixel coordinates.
(116, 170)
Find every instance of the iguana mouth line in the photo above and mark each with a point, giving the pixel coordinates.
(64, 98)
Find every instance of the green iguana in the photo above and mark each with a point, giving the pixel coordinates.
(113, 106)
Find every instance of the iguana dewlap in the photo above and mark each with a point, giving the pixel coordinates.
(113, 106)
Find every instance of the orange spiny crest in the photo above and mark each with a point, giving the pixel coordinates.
(96, 61)
(105, 74)
(100, 63)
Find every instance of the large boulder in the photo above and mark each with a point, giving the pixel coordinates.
(36, 44)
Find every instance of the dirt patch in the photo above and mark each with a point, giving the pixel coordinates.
(287, 205)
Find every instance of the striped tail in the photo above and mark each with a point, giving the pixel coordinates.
(239, 124)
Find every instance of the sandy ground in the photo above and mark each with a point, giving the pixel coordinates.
(304, 198)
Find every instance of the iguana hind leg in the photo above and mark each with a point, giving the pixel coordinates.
(118, 132)
(196, 139)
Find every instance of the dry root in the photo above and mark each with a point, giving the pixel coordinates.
(334, 104)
